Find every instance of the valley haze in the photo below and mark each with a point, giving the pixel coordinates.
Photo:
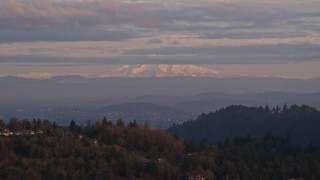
(160, 95)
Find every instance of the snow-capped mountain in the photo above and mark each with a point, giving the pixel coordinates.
(162, 70)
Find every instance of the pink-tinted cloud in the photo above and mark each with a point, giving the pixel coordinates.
(208, 19)
(33, 14)
(36, 75)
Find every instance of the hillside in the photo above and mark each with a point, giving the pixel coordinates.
(40, 149)
(300, 123)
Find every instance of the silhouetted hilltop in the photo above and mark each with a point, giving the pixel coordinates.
(300, 123)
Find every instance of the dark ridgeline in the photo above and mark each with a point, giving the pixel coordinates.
(40, 149)
(299, 123)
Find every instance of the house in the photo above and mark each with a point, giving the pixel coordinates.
(17, 133)
(25, 132)
(197, 177)
(39, 132)
(7, 132)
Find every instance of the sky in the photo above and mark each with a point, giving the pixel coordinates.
(45, 38)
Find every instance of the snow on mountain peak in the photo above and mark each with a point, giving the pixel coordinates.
(162, 70)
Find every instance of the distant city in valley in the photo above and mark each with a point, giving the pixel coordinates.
(160, 95)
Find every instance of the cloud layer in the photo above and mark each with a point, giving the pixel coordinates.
(83, 32)
(69, 20)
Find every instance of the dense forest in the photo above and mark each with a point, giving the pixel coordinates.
(40, 149)
(301, 124)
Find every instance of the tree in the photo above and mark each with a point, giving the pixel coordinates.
(120, 122)
(15, 125)
(106, 122)
(266, 108)
(133, 124)
(2, 124)
(285, 108)
(74, 127)
(278, 109)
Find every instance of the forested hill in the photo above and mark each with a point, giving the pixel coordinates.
(42, 150)
(300, 123)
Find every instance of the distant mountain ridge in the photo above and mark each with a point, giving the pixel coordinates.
(162, 70)
(78, 87)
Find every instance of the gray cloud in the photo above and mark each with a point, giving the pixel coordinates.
(258, 54)
(66, 35)
(249, 35)
(88, 19)
(155, 41)
(242, 22)
(37, 14)
(70, 20)
(236, 54)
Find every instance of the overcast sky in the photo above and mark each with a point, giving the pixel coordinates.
(43, 38)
